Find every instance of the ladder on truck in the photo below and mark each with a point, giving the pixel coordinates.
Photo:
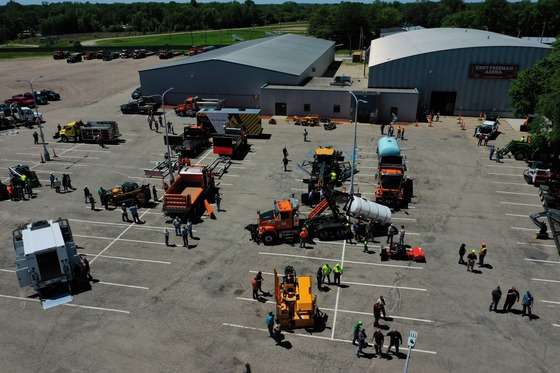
(321, 206)
(219, 166)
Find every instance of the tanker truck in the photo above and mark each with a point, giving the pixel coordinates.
(393, 189)
(283, 223)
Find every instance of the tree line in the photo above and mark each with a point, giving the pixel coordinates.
(346, 23)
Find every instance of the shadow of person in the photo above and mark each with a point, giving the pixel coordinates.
(477, 271)
(367, 355)
(515, 311)
(383, 327)
(533, 317)
(192, 247)
(400, 355)
(285, 344)
(343, 286)
(489, 266)
(261, 299)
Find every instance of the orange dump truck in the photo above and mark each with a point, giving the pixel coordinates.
(186, 196)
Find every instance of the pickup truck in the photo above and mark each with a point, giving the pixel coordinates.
(21, 100)
(229, 143)
(191, 142)
(488, 128)
(139, 106)
(40, 98)
(50, 94)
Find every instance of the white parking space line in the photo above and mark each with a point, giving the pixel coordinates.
(504, 182)
(535, 244)
(220, 184)
(543, 280)
(7, 270)
(549, 301)
(337, 260)
(516, 193)
(120, 239)
(230, 175)
(518, 216)
(317, 337)
(494, 173)
(520, 204)
(541, 261)
(131, 259)
(524, 229)
(141, 226)
(123, 285)
(502, 166)
(337, 292)
(67, 304)
(557, 325)
(384, 286)
(407, 219)
(389, 316)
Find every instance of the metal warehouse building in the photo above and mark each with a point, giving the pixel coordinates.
(454, 70)
(237, 73)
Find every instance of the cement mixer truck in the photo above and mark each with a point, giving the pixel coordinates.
(283, 223)
(394, 189)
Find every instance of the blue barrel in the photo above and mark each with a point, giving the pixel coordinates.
(388, 146)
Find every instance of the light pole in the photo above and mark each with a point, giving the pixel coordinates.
(162, 96)
(45, 151)
(355, 131)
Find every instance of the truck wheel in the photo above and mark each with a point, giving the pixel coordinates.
(181, 113)
(324, 235)
(268, 238)
(340, 234)
(64, 139)
(519, 156)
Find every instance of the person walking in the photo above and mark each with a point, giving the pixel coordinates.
(134, 212)
(496, 296)
(491, 152)
(124, 213)
(382, 128)
(327, 273)
(255, 287)
(149, 119)
(320, 279)
(401, 237)
(362, 341)
(35, 138)
(270, 324)
(259, 279)
(285, 152)
(277, 332)
(92, 202)
(481, 255)
(528, 301)
(218, 199)
(305, 135)
(185, 234)
(366, 247)
(177, 224)
(189, 228)
(512, 296)
(65, 183)
(402, 134)
(391, 231)
(166, 236)
(395, 340)
(19, 190)
(156, 124)
(285, 161)
(154, 193)
(337, 270)
(471, 259)
(51, 177)
(378, 339)
(381, 303)
(86, 194)
(462, 251)
(57, 185)
(498, 156)
(349, 233)
(303, 238)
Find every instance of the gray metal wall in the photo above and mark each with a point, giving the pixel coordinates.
(449, 71)
(319, 67)
(239, 85)
(406, 104)
(321, 102)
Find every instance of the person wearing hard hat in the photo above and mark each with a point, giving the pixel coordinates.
(357, 327)
(481, 255)
(337, 273)
(471, 259)
(327, 273)
(303, 237)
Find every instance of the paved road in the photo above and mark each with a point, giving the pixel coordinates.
(160, 308)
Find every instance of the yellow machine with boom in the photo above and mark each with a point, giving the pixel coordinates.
(296, 306)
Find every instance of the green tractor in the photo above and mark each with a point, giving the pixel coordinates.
(16, 172)
(520, 149)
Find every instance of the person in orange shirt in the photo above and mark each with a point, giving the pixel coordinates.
(303, 238)
(11, 192)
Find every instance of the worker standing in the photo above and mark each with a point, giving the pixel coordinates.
(381, 304)
(337, 273)
(166, 236)
(124, 213)
(491, 152)
(471, 259)
(185, 234)
(511, 297)
(259, 279)
(327, 273)
(528, 302)
(86, 194)
(189, 228)
(51, 177)
(362, 341)
(320, 279)
(395, 340)
(305, 135)
(401, 237)
(496, 296)
(35, 138)
(134, 212)
(285, 152)
(154, 193)
(218, 199)
(378, 339)
(57, 185)
(255, 287)
(334, 177)
(92, 202)
(357, 327)
(303, 237)
(277, 332)
(270, 323)
(366, 247)
(481, 255)
(285, 161)
(462, 251)
(498, 156)
(177, 224)
(349, 234)
(391, 231)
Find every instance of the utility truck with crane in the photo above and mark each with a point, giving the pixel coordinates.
(88, 131)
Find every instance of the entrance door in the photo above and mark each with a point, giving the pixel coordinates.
(280, 108)
(363, 115)
(444, 102)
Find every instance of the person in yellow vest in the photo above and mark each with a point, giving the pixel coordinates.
(327, 273)
(334, 177)
(337, 272)
(481, 255)
(522, 138)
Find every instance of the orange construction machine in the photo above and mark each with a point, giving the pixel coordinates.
(394, 189)
(296, 306)
(186, 196)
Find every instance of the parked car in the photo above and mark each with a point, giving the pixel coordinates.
(89, 56)
(40, 98)
(50, 94)
(488, 128)
(20, 100)
(125, 54)
(137, 93)
(74, 57)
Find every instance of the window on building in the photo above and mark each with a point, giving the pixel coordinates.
(336, 109)
(312, 69)
(306, 108)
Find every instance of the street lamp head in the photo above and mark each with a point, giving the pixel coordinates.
(363, 101)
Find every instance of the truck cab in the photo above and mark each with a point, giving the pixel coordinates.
(281, 222)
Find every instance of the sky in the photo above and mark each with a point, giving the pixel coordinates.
(36, 2)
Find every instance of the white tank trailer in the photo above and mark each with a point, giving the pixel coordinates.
(364, 210)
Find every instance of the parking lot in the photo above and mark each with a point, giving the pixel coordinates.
(158, 308)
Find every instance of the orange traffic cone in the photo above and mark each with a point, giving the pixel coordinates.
(416, 125)
(463, 125)
(54, 153)
(42, 159)
(480, 118)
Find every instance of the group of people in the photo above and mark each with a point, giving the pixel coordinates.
(391, 131)
(324, 273)
(18, 187)
(360, 336)
(512, 296)
(66, 183)
(181, 230)
(153, 122)
(472, 257)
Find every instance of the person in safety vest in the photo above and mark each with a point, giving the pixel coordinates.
(337, 272)
(303, 238)
(327, 273)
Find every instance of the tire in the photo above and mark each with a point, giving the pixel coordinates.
(64, 139)
(340, 234)
(519, 156)
(181, 113)
(324, 235)
(268, 238)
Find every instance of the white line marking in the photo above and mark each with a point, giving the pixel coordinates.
(502, 166)
(316, 337)
(7, 270)
(220, 184)
(120, 239)
(230, 175)
(337, 291)
(385, 286)
(535, 244)
(492, 173)
(408, 219)
(504, 182)
(524, 229)
(132, 259)
(518, 215)
(516, 193)
(556, 325)
(123, 285)
(119, 224)
(543, 280)
(541, 261)
(391, 316)
(66, 304)
(549, 301)
(336, 260)
(520, 204)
